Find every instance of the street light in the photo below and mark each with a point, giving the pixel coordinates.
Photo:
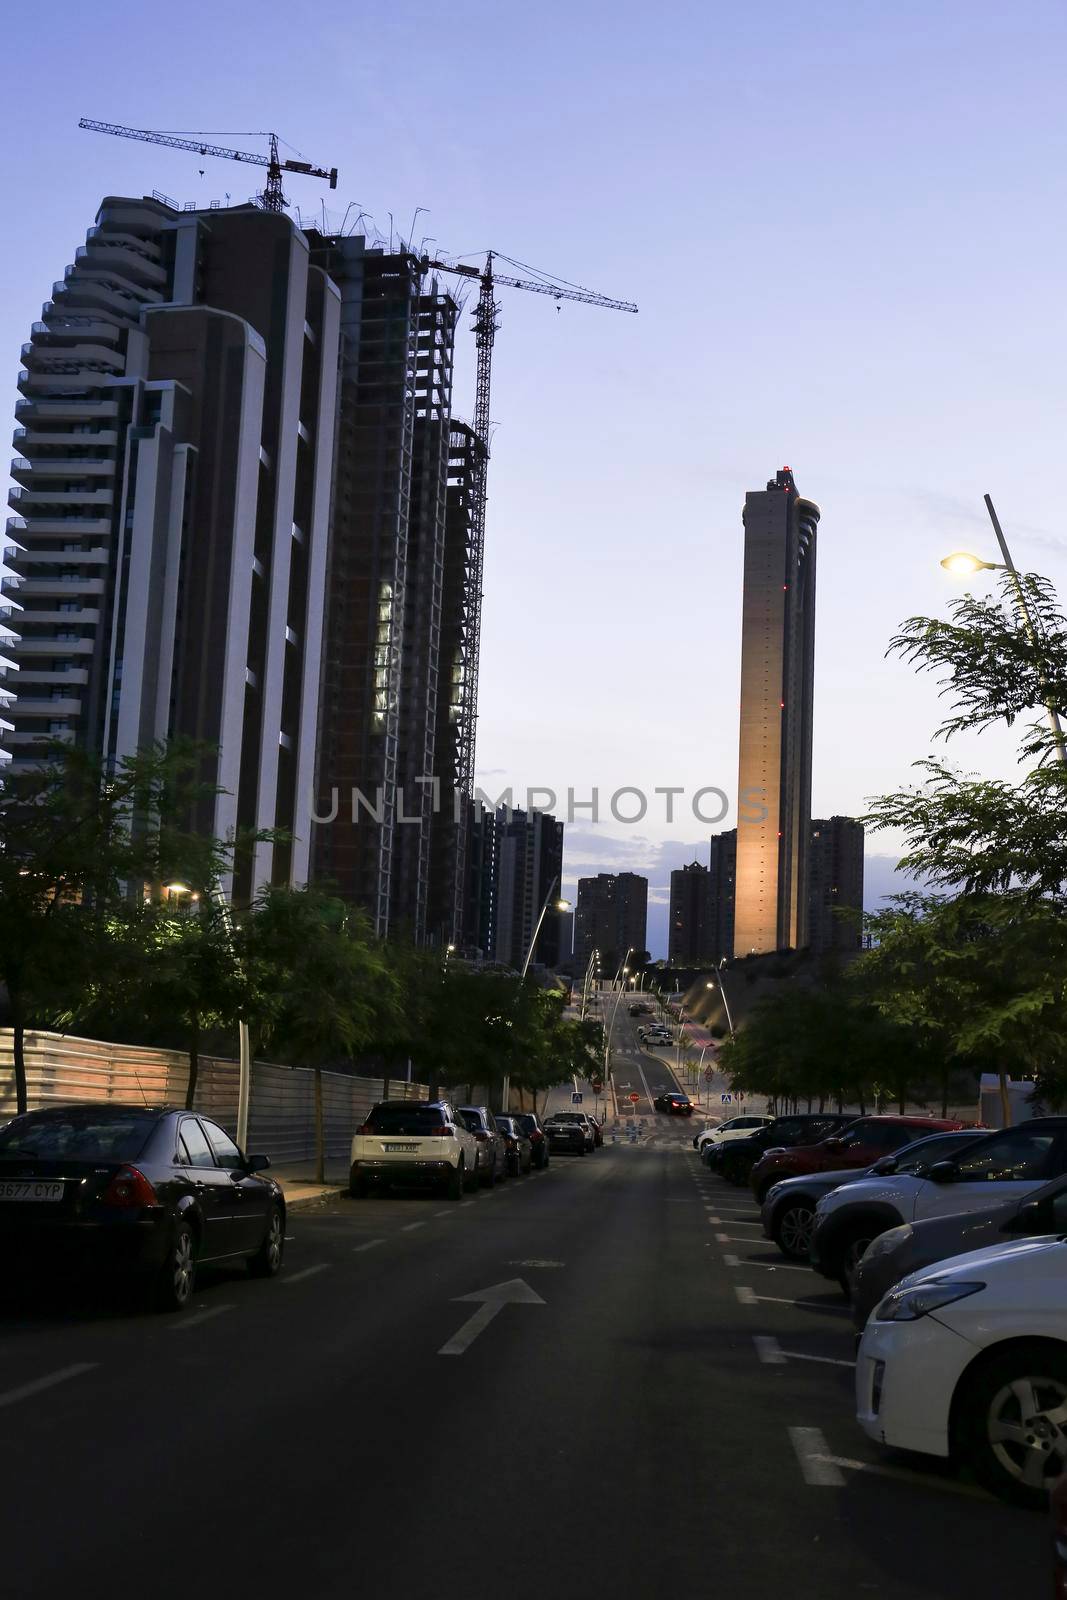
(244, 1045)
(962, 564)
(559, 905)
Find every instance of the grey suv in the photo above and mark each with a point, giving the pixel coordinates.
(492, 1147)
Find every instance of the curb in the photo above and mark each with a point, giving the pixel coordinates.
(306, 1202)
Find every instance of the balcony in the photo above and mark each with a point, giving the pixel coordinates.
(69, 706)
(41, 356)
(53, 618)
(28, 500)
(78, 385)
(89, 409)
(62, 466)
(16, 556)
(41, 527)
(59, 324)
(35, 646)
(40, 448)
(60, 586)
(101, 256)
(84, 291)
(73, 676)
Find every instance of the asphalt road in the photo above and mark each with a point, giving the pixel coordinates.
(616, 1431)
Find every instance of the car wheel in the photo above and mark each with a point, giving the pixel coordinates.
(174, 1286)
(501, 1170)
(267, 1261)
(1011, 1417)
(456, 1181)
(471, 1178)
(850, 1251)
(486, 1175)
(581, 1148)
(791, 1229)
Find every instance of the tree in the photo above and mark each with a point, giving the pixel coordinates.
(319, 982)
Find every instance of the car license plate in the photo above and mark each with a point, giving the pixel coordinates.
(14, 1190)
(400, 1149)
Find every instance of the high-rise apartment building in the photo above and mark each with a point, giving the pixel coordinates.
(777, 683)
(176, 433)
(529, 867)
(722, 889)
(835, 884)
(612, 917)
(383, 678)
(688, 934)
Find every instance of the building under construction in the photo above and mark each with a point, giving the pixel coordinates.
(399, 601)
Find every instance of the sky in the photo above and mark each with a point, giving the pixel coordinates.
(843, 225)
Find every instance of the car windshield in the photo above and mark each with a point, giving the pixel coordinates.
(94, 1135)
(919, 1157)
(412, 1119)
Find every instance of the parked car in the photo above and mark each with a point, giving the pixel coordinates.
(736, 1163)
(859, 1145)
(726, 1132)
(147, 1193)
(968, 1360)
(536, 1135)
(417, 1142)
(519, 1150)
(914, 1246)
(598, 1129)
(492, 1151)
(674, 1103)
(1004, 1165)
(788, 1212)
(565, 1131)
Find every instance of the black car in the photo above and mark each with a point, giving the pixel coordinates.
(531, 1125)
(678, 1105)
(566, 1133)
(737, 1159)
(144, 1192)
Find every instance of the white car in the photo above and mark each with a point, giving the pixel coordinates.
(969, 1359)
(999, 1166)
(418, 1142)
(733, 1128)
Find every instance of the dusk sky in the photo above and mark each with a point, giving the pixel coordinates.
(843, 225)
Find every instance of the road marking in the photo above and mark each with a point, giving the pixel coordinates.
(492, 1301)
(737, 1221)
(371, 1244)
(464, 1203)
(449, 1213)
(770, 1266)
(26, 1390)
(747, 1297)
(814, 1305)
(198, 1317)
(924, 1480)
(307, 1272)
(826, 1361)
(409, 1227)
(769, 1350)
(816, 1464)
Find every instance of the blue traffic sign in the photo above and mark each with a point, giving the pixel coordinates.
(576, 1099)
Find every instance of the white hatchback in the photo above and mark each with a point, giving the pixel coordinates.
(417, 1142)
(734, 1128)
(968, 1359)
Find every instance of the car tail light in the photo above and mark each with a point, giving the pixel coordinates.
(443, 1132)
(480, 1133)
(366, 1128)
(129, 1188)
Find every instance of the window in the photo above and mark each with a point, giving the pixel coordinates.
(226, 1152)
(92, 1135)
(193, 1148)
(886, 1136)
(414, 1119)
(1011, 1157)
(924, 1154)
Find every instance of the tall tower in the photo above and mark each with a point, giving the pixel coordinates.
(777, 681)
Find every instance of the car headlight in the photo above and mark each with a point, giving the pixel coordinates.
(888, 1241)
(908, 1305)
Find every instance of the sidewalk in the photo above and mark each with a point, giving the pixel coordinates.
(300, 1187)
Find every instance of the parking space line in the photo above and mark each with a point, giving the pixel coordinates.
(371, 1244)
(813, 1457)
(306, 1272)
(770, 1266)
(448, 1213)
(747, 1297)
(409, 1227)
(769, 1350)
(196, 1318)
(922, 1480)
(26, 1390)
(782, 1300)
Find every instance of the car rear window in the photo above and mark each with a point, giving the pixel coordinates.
(413, 1119)
(527, 1123)
(77, 1136)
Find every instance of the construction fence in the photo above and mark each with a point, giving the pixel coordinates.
(61, 1069)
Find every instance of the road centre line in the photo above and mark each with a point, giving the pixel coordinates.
(813, 1456)
(371, 1244)
(197, 1317)
(307, 1272)
(26, 1390)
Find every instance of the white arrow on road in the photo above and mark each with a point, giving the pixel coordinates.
(512, 1293)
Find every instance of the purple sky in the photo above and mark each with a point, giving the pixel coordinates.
(842, 223)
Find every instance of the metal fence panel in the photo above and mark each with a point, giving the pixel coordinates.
(61, 1069)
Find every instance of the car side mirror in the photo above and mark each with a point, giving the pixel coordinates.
(942, 1172)
(886, 1165)
(257, 1163)
(1034, 1217)
(833, 1144)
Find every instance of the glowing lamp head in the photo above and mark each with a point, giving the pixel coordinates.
(963, 565)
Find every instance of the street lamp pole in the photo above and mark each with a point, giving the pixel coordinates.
(560, 905)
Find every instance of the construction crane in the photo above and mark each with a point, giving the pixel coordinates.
(272, 198)
(484, 325)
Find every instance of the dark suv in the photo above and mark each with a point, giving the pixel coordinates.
(864, 1141)
(740, 1156)
(536, 1135)
(492, 1150)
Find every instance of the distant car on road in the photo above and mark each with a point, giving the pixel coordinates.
(418, 1142)
(569, 1130)
(536, 1135)
(674, 1103)
(492, 1151)
(149, 1193)
(517, 1144)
